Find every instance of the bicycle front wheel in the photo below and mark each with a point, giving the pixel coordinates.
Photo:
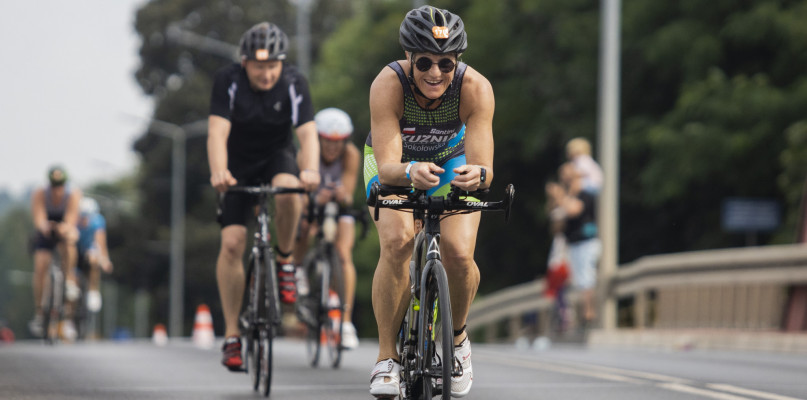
(335, 308)
(53, 306)
(265, 372)
(253, 327)
(436, 333)
(272, 319)
(310, 308)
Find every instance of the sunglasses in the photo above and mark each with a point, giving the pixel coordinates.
(424, 64)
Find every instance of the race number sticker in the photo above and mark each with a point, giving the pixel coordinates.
(261, 54)
(440, 32)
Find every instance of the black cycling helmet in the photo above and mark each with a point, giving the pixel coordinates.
(57, 176)
(264, 41)
(431, 30)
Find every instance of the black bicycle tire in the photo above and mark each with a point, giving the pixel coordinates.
(56, 305)
(265, 346)
(272, 292)
(435, 289)
(80, 312)
(417, 263)
(314, 302)
(47, 306)
(267, 330)
(337, 284)
(253, 362)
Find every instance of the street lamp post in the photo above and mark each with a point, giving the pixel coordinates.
(303, 21)
(608, 212)
(178, 135)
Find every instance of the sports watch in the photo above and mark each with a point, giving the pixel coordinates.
(483, 174)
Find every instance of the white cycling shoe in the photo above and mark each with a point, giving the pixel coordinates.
(71, 290)
(461, 385)
(385, 380)
(349, 338)
(94, 301)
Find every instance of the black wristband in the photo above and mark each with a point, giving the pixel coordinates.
(483, 174)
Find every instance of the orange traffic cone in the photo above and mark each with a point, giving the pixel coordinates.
(203, 336)
(160, 336)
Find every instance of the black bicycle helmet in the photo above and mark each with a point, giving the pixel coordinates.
(431, 30)
(264, 41)
(57, 175)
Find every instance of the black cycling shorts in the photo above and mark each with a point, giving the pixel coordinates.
(83, 263)
(44, 243)
(238, 208)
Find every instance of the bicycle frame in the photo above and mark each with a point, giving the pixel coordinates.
(262, 250)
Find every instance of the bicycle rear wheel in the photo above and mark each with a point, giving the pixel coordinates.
(436, 333)
(407, 339)
(411, 384)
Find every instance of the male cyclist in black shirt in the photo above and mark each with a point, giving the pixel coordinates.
(253, 108)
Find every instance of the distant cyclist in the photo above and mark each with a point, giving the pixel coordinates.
(339, 169)
(93, 254)
(254, 106)
(55, 211)
(431, 120)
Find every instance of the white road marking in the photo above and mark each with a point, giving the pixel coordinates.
(749, 392)
(700, 392)
(558, 368)
(629, 376)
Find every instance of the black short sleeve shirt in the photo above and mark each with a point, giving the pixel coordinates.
(261, 121)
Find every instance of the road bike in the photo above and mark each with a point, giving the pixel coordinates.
(261, 315)
(426, 338)
(322, 308)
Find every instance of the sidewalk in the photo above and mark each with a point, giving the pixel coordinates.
(712, 339)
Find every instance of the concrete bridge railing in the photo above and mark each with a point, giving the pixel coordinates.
(751, 288)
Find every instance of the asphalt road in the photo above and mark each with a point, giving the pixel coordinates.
(142, 370)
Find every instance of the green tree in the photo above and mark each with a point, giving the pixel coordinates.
(16, 268)
(711, 105)
(709, 92)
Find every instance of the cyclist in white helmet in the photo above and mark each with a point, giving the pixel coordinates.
(339, 169)
(93, 254)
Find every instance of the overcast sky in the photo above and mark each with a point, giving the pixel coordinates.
(67, 73)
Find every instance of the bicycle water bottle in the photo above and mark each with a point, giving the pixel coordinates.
(329, 224)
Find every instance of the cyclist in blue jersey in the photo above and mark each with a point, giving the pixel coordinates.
(93, 254)
(254, 106)
(431, 120)
(339, 170)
